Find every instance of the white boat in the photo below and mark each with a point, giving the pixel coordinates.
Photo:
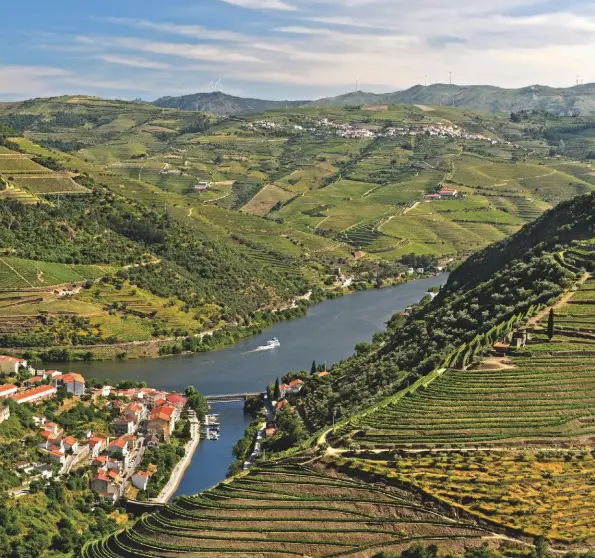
(273, 343)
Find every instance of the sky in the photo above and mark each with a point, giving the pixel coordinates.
(289, 49)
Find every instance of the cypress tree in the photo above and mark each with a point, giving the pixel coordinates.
(313, 367)
(277, 392)
(550, 325)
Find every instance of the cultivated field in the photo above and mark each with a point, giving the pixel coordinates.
(284, 509)
(547, 493)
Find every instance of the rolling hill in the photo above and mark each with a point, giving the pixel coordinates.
(569, 101)
(296, 191)
(222, 104)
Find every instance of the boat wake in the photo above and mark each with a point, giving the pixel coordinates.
(271, 345)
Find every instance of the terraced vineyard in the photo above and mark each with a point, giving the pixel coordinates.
(50, 185)
(544, 392)
(16, 273)
(288, 508)
(533, 492)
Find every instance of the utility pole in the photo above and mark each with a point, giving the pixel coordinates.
(450, 79)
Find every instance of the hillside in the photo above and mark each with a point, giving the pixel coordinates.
(326, 180)
(222, 104)
(295, 191)
(569, 101)
(561, 101)
(430, 426)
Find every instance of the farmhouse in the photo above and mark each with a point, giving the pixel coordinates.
(448, 192)
(202, 186)
(11, 365)
(34, 395)
(432, 197)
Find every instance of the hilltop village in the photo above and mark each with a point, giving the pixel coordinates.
(120, 434)
(327, 127)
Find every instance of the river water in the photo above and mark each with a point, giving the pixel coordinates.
(328, 333)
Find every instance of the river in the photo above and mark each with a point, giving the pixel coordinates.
(328, 333)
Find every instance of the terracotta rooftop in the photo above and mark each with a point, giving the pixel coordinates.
(162, 413)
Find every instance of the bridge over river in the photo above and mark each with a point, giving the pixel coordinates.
(231, 397)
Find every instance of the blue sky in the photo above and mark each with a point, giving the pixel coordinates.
(288, 49)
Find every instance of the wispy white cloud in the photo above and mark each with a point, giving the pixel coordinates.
(263, 4)
(21, 80)
(134, 62)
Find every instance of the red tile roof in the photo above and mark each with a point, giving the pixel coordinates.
(70, 377)
(296, 383)
(119, 442)
(271, 431)
(41, 391)
(94, 440)
(6, 358)
(176, 398)
(7, 388)
(162, 413)
(101, 478)
(70, 440)
(281, 404)
(144, 474)
(322, 374)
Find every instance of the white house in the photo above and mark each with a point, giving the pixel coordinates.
(70, 443)
(73, 382)
(34, 395)
(97, 444)
(121, 445)
(140, 479)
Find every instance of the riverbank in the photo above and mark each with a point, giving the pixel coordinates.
(201, 342)
(322, 336)
(178, 473)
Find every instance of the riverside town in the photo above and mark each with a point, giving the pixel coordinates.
(128, 441)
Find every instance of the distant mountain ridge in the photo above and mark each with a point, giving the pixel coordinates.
(579, 99)
(223, 104)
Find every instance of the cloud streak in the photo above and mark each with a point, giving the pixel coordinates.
(286, 48)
